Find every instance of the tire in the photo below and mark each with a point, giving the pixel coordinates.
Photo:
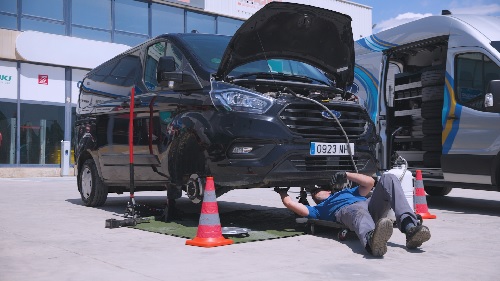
(432, 109)
(432, 77)
(432, 93)
(432, 159)
(432, 127)
(432, 143)
(437, 190)
(92, 190)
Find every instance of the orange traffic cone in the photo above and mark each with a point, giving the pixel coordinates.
(420, 199)
(209, 229)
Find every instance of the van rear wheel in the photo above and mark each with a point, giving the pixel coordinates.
(437, 190)
(92, 190)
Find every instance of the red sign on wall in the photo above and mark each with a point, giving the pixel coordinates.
(43, 79)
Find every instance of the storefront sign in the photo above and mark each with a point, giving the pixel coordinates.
(193, 3)
(5, 79)
(8, 80)
(250, 7)
(43, 79)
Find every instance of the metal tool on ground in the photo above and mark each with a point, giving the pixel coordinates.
(114, 223)
(235, 231)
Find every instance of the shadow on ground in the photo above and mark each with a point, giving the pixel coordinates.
(262, 222)
(464, 205)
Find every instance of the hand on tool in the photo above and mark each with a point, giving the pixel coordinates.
(281, 190)
(339, 178)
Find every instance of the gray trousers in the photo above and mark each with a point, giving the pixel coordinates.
(360, 217)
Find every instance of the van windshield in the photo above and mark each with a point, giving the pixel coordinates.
(209, 50)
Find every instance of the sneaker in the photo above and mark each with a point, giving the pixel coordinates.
(377, 241)
(417, 235)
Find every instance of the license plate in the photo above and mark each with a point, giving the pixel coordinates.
(325, 148)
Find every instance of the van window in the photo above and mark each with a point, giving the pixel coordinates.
(473, 73)
(154, 53)
(121, 72)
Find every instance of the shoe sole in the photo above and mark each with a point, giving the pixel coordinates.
(382, 233)
(419, 238)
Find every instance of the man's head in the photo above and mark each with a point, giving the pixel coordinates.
(320, 194)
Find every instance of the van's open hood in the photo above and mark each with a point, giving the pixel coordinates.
(316, 36)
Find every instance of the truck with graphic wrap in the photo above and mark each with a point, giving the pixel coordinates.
(432, 86)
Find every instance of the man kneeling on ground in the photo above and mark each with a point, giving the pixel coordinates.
(351, 208)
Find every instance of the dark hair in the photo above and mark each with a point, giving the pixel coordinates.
(316, 190)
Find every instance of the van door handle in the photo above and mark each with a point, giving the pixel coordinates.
(452, 118)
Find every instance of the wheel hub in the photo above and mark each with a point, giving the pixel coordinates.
(86, 182)
(194, 188)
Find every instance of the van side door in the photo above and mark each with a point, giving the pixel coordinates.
(471, 134)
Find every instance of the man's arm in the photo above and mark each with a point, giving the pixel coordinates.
(296, 207)
(365, 182)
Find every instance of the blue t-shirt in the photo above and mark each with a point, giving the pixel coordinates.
(326, 209)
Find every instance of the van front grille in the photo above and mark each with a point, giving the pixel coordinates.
(309, 121)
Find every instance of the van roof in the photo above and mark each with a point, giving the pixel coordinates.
(487, 25)
(429, 27)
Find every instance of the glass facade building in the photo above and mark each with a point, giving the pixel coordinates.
(47, 45)
(37, 100)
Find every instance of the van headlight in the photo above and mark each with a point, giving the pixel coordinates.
(233, 98)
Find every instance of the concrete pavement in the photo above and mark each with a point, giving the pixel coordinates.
(46, 234)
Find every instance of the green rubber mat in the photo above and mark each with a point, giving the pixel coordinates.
(261, 225)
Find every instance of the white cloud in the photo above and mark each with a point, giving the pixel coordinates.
(477, 10)
(456, 7)
(398, 20)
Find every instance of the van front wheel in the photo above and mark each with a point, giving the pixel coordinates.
(92, 190)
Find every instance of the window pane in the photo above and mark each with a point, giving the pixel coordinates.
(8, 6)
(47, 8)
(41, 133)
(130, 40)
(131, 16)
(8, 22)
(199, 22)
(167, 19)
(86, 33)
(8, 132)
(227, 26)
(94, 13)
(154, 53)
(42, 26)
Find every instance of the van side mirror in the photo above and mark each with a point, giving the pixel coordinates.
(166, 74)
(492, 97)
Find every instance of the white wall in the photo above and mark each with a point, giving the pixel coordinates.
(65, 50)
(35, 88)
(361, 15)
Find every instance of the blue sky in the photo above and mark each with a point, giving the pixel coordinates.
(390, 13)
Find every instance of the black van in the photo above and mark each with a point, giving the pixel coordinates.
(263, 108)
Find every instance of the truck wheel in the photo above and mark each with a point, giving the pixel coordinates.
(432, 143)
(437, 190)
(92, 190)
(432, 109)
(432, 77)
(432, 127)
(432, 93)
